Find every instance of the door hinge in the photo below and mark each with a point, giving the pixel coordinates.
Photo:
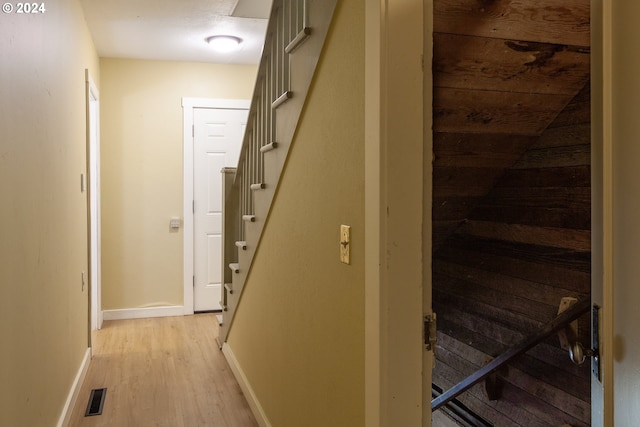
(430, 324)
(193, 131)
(193, 206)
(193, 282)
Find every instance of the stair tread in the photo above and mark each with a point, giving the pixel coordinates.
(269, 147)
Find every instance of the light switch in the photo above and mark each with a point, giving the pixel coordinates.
(174, 223)
(345, 244)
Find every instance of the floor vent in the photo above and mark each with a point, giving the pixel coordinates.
(96, 402)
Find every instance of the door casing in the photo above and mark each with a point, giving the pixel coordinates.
(93, 185)
(188, 105)
(398, 280)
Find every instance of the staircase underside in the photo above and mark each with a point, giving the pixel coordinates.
(285, 74)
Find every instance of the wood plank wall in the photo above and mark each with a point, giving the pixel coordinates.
(501, 274)
(503, 70)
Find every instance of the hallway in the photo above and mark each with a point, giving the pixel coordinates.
(162, 372)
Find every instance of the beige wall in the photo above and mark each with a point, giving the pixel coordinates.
(141, 149)
(298, 334)
(43, 228)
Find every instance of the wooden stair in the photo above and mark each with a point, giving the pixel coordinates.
(295, 37)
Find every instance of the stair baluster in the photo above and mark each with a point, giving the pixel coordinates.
(289, 50)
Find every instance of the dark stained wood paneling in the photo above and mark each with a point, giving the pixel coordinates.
(463, 110)
(463, 182)
(555, 157)
(481, 143)
(483, 63)
(453, 207)
(475, 399)
(511, 198)
(530, 262)
(502, 272)
(576, 383)
(495, 323)
(579, 134)
(574, 410)
(553, 196)
(478, 150)
(578, 176)
(489, 295)
(550, 217)
(577, 409)
(545, 21)
(577, 240)
(544, 294)
(574, 113)
(577, 112)
(442, 230)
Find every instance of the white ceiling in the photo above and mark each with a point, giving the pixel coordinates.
(175, 30)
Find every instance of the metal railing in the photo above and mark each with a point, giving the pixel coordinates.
(557, 324)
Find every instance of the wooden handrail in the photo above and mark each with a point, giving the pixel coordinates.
(562, 320)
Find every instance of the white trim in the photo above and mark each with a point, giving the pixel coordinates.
(188, 104)
(602, 206)
(94, 184)
(252, 400)
(141, 313)
(228, 104)
(67, 411)
(394, 300)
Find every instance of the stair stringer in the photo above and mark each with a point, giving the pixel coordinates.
(303, 63)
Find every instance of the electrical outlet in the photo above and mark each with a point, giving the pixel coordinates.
(345, 244)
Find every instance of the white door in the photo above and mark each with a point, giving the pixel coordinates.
(217, 138)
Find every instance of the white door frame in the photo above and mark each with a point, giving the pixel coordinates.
(93, 185)
(188, 105)
(396, 134)
(603, 205)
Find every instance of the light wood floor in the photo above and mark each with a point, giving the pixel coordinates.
(162, 372)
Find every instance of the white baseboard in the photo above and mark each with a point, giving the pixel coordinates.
(254, 404)
(141, 313)
(67, 411)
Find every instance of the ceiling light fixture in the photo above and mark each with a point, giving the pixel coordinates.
(224, 43)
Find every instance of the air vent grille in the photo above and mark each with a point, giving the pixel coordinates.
(96, 402)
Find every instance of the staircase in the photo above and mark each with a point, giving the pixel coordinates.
(295, 36)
